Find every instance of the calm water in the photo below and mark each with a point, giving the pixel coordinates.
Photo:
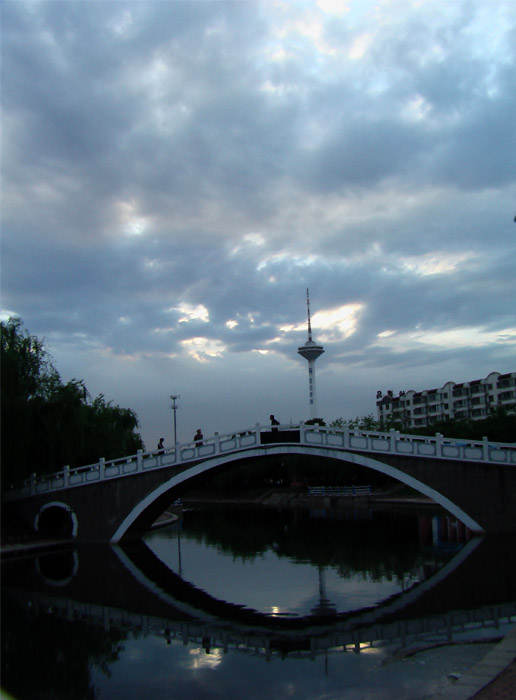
(263, 603)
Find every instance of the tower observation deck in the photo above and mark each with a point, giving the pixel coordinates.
(311, 351)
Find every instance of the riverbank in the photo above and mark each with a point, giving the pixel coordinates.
(491, 677)
(9, 550)
(292, 496)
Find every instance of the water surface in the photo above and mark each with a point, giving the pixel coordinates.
(261, 603)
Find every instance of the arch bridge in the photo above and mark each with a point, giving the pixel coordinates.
(119, 499)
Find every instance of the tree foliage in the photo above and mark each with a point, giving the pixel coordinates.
(316, 421)
(368, 422)
(500, 426)
(47, 424)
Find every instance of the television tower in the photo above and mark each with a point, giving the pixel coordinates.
(311, 351)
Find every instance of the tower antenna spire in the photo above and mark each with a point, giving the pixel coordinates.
(308, 309)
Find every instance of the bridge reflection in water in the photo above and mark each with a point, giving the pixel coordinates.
(105, 622)
(131, 589)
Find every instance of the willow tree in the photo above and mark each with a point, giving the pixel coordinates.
(47, 424)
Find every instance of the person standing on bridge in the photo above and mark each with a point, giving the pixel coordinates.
(273, 423)
(161, 445)
(198, 437)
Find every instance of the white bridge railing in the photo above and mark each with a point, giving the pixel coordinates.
(332, 439)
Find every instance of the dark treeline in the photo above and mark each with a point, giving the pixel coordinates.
(385, 545)
(500, 426)
(47, 424)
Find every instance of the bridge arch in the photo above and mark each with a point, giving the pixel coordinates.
(375, 464)
(56, 519)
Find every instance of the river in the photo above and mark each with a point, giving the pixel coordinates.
(233, 602)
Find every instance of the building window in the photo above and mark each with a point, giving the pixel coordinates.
(461, 392)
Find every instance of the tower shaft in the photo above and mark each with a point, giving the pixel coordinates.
(311, 351)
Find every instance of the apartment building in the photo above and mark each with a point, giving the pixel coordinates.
(473, 400)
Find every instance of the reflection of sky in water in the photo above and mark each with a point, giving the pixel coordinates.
(178, 671)
(187, 671)
(269, 583)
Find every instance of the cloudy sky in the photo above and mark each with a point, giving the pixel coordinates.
(175, 175)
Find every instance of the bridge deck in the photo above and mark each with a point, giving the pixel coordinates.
(334, 440)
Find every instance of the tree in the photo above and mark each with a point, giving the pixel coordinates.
(500, 426)
(26, 367)
(368, 422)
(27, 378)
(316, 421)
(47, 424)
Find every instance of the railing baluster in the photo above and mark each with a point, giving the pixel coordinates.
(438, 445)
(393, 437)
(485, 448)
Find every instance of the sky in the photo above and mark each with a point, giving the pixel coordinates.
(175, 175)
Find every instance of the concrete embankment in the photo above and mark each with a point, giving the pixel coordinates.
(14, 549)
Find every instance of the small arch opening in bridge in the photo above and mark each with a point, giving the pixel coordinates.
(56, 521)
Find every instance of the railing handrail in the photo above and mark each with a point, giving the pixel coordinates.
(192, 451)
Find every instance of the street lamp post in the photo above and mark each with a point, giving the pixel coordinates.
(174, 398)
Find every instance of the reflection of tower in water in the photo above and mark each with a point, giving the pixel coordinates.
(311, 351)
(324, 607)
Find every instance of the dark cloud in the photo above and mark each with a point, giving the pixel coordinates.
(175, 175)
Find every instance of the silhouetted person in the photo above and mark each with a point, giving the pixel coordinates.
(161, 445)
(198, 437)
(274, 422)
